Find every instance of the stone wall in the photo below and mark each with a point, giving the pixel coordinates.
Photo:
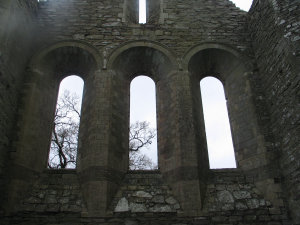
(277, 57)
(144, 198)
(255, 55)
(186, 23)
(16, 27)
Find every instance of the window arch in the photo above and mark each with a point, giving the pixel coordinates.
(64, 137)
(217, 126)
(142, 124)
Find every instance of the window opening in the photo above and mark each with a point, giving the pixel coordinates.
(64, 138)
(142, 11)
(217, 126)
(243, 4)
(142, 134)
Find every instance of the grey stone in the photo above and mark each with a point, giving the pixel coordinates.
(158, 199)
(241, 206)
(241, 194)
(161, 208)
(50, 199)
(225, 197)
(130, 222)
(142, 194)
(227, 207)
(122, 205)
(171, 200)
(136, 208)
(253, 203)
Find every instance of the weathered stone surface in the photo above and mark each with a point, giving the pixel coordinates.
(142, 194)
(159, 199)
(253, 203)
(134, 207)
(241, 194)
(122, 205)
(171, 201)
(255, 55)
(241, 206)
(161, 208)
(225, 197)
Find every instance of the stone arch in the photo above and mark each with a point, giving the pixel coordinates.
(233, 70)
(37, 106)
(151, 51)
(76, 49)
(42, 78)
(217, 46)
(125, 63)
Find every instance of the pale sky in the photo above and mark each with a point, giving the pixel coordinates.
(243, 4)
(143, 108)
(217, 126)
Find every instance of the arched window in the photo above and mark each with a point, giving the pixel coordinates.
(142, 136)
(64, 139)
(217, 126)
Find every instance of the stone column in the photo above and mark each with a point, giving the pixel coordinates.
(101, 164)
(183, 159)
(32, 141)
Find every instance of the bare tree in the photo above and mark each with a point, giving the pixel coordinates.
(63, 149)
(140, 136)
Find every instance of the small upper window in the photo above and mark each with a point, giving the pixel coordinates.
(142, 11)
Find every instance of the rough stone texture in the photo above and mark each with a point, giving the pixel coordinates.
(277, 57)
(255, 55)
(15, 51)
(55, 191)
(143, 198)
(145, 192)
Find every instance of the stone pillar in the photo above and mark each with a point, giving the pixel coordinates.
(31, 145)
(183, 159)
(101, 164)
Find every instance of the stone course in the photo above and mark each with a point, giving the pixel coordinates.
(55, 191)
(145, 192)
(143, 198)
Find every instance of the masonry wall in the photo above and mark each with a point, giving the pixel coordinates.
(277, 57)
(186, 23)
(145, 199)
(184, 41)
(16, 27)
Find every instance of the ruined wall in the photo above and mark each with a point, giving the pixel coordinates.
(183, 41)
(275, 29)
(102, 23)
(16, 27)
(144, 199)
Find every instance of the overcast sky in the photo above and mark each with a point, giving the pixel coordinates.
(243, 4)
